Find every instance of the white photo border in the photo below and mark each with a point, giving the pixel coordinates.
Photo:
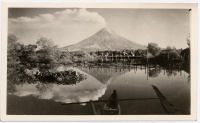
(194, 57)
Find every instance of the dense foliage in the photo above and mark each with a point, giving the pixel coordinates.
(169, 54)
(154, 49)
(43, 56)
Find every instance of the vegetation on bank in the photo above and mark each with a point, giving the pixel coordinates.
(32, 63)
(44, 55)
(44, 52)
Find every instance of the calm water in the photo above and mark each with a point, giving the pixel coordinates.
(130, 82)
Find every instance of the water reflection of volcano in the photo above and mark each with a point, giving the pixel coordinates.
(89, 89)
(104, 75)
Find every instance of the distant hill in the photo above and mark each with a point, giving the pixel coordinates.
(104, 39)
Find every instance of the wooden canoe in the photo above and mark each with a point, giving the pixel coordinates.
(110, 107)
(168, 107)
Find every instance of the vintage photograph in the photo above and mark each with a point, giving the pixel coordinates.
(80, 61)
(75, 61)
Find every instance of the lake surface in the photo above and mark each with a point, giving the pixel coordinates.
(130, 82)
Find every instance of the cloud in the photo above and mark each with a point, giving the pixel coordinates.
(64, 93)
(68, 15)
(89, 89)
(81, 15)
(60, 26)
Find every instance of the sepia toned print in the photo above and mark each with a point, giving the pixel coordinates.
(104, 73)
(83, 61)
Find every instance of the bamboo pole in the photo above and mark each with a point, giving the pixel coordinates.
(106, 100)
(93, 108)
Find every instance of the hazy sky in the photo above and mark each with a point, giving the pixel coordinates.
(166, 27)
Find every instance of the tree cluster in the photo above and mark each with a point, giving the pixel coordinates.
(20, 57)
(167, 54)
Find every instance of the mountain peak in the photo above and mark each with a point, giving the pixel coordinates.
(104, 39)
(107, 30)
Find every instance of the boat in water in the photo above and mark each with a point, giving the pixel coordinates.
(110, 107)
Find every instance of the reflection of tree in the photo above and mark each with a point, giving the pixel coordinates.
(153, 72)
(43, 87)
(189, 78)
(171, 72)
(60, 77)
(186, 66)
(174, 73)
(16, 76)
(22, 75)
(11, 88)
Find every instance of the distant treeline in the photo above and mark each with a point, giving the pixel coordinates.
(45, 52)
(153, 52)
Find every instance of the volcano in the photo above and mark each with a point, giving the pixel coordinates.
(104, 39)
